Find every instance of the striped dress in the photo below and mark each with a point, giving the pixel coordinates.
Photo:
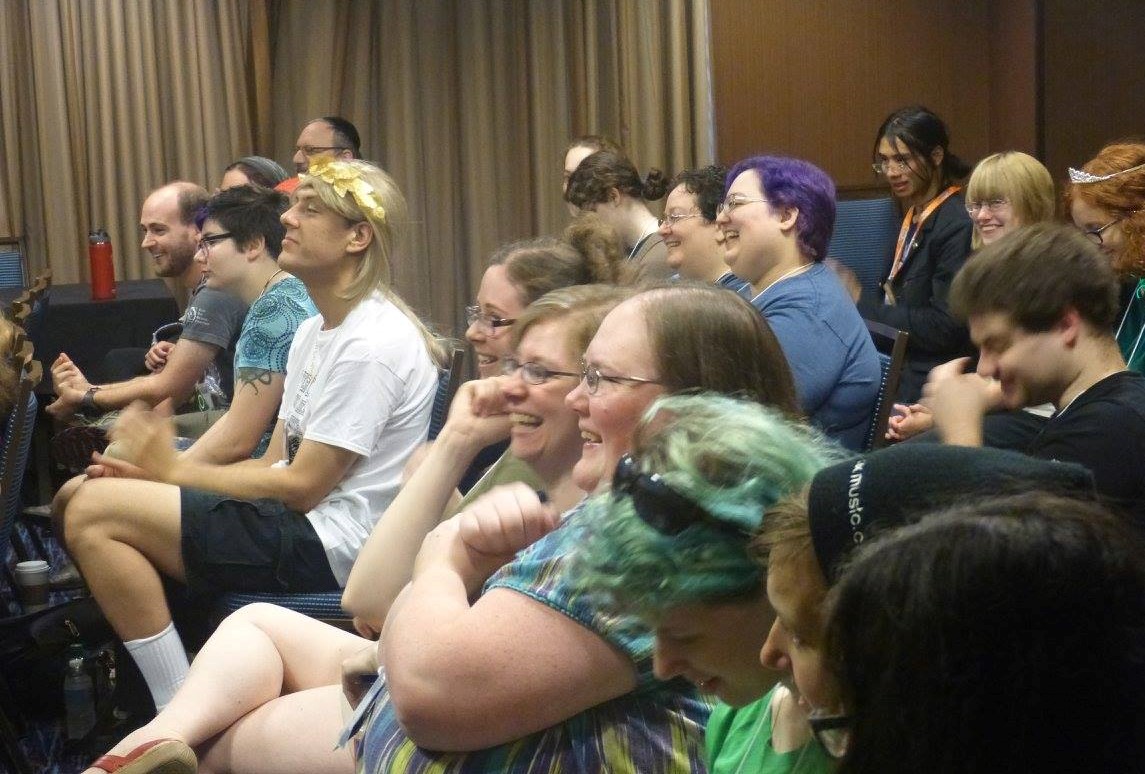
(655, 729)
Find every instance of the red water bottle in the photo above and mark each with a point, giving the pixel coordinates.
(102, 267)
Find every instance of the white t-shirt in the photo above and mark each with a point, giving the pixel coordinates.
(366, 386)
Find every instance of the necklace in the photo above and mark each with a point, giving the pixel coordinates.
(269, 280)
(790, 273)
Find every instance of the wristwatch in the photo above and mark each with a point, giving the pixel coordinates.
(87, 403)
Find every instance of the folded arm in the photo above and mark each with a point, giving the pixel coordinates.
(477, 418)
(462, 675)
(147, 440)
(186, 365)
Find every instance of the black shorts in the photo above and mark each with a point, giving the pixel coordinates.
(242, 545)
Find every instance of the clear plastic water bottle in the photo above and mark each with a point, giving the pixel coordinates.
(79, 700)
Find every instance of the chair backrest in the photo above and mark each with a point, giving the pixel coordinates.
(16, 443)
(42, 283)
(891, 345)
(35, 322)
(448, 382)
(20, 309)
(864, 237)
(12, 271)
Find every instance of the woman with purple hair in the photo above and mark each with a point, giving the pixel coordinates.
(777, 219)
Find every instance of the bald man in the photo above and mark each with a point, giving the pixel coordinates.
(200, 364)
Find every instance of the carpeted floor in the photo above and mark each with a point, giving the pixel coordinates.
(42, 735)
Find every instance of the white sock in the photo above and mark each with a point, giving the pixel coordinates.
(163, 662)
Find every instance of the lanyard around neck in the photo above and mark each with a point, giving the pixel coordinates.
(902, 249)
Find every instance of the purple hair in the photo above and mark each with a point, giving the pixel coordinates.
(789, 182)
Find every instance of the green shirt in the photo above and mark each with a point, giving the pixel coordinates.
(738, 740)
(1129, 337)
(506, 470)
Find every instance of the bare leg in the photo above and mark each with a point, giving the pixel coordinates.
(60, 504)
(259, 654)
(122, 533)
(293, 734)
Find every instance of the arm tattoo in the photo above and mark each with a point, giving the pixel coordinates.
(252, 376)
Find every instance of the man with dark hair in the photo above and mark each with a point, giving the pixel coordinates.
(332, 136)
(1041, 304)
(200, 363)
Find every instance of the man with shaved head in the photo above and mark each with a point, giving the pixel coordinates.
(200, 363)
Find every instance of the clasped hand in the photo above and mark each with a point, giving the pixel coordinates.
(479, 413)
(486, 535)
(145, 440)
(959, 400)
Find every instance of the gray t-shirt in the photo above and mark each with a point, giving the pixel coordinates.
(215, 318)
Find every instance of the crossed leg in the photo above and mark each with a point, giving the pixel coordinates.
(124, 534)
(262, 696)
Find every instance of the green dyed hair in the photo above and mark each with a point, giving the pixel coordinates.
(735, 458)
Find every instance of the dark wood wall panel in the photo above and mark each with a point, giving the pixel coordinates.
(815, 79)
(1094, 85)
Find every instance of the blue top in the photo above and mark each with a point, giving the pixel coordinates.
(266, 336)
(732, 282)
(829, 349)
(658, 727)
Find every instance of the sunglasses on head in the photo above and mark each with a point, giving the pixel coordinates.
(659, 505)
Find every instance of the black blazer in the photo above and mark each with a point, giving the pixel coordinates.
(921, 290)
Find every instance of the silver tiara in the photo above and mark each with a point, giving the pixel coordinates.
(1080, 177)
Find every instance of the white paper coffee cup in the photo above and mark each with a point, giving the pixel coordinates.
(32, 581)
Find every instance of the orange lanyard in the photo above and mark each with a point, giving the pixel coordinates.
(902, 249)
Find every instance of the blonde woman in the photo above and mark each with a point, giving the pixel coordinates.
(1006, 191)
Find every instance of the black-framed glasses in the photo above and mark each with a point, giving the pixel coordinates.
(990, 205)
(659, 505)
(593, 377)
(207, 241)
(898, 162)
(731, 201)
(314, 150)
(833, 731)
(1095, 234)
(474, 316)
(532, 373)
(675, 217)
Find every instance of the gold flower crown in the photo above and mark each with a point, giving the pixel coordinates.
(347, 179)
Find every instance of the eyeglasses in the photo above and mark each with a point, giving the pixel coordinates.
(676, 217)
(1094, 234)
(899, 163)
(593, 377)
(731, 201)
(532, 373)
(209, 241)
(474, 316)
(990, 205)
(832, 731)
(659, 505)
(314, 150)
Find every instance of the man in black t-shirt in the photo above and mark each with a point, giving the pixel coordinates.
(1041, 304)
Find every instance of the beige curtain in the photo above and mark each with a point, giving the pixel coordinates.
(468, 103)
(105, 100)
